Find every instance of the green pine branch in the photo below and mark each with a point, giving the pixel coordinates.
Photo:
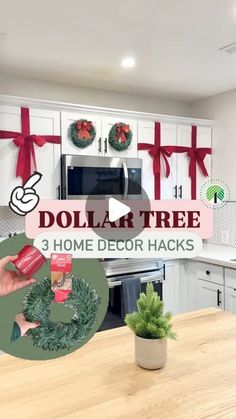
(149, 321)
(84, 302)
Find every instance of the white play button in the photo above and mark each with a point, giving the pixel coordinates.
(117, 209)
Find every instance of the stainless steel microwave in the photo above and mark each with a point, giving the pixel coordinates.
(100, 177)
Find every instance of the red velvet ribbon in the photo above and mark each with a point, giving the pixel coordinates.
(25, 142)
(157, 152)
(121, 131)
(197, 156)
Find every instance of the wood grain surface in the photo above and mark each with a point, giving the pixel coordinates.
(102, 381)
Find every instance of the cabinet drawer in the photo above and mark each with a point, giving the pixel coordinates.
(211, 273)
(230, 278)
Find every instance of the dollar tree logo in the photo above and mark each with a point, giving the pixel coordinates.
(215, 194)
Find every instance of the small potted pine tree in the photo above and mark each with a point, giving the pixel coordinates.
(151, 328)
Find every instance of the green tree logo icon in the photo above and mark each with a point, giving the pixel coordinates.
(215, 194)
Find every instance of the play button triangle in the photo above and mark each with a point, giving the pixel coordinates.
(117, 209)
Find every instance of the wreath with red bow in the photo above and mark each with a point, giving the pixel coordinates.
(82, 133)
(120, 136)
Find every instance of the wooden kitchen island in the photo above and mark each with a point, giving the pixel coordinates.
(101, 380)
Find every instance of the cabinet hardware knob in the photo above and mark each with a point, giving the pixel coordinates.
(58, 192)
(207, 272)
(100, 145)
(176, 192)
(181, 191)
(105, 145)
(219, 302)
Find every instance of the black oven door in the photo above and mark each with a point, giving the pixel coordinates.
(114, 317)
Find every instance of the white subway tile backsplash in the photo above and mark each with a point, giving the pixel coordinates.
(225, 225)
(10, 222)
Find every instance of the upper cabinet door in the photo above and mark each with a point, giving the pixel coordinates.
(47, 157)
(68, 147)
(204, 139)
(9, 121)
(184, 138)
(108, 150)
(46, 122)
(168, 184)
(146, 134)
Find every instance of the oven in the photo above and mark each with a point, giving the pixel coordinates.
(100, 177)
(147, 270)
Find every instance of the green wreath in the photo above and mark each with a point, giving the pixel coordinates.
(82, 133)
(83, 300)
(120, 136)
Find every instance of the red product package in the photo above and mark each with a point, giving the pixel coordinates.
(61, 266)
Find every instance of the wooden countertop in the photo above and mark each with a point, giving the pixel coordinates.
(101, 380)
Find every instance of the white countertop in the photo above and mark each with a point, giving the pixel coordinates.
(218, 255)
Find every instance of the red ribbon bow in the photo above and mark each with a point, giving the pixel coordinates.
(196, 155)
(157, 152)
(25, 142)
(84, 128)
(121, 131)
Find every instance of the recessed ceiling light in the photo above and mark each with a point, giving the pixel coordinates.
(128, 62)
(229, 49)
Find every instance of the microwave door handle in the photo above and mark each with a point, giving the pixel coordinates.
(126, 179)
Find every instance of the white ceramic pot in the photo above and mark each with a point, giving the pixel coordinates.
(150, 353)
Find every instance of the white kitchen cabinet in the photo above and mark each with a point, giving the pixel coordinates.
(188, 285)
(230, 290)
(201, 285)
(230, 300)
(184, 138)
(178, 184)
(68, 147)
(108, 151)
(171, 287)
(209, 295)
(146, 134)
(100, 146)
(42, 122)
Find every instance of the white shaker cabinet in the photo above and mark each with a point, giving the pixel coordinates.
(171, 289)
(68, 147)
(209, 295)
(184, 138)
(108, 150)
(178, 184)
(100, 146)
(230, 290)
(230, 300)
(202, 285)
(42, 122)
(146, 134)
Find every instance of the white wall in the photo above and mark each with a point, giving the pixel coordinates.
(32, 88)
(222, 109)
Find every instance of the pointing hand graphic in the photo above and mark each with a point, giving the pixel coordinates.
(24, 198)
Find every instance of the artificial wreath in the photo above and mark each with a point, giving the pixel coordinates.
(82, 133)
(120, 136)
(83, 300)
